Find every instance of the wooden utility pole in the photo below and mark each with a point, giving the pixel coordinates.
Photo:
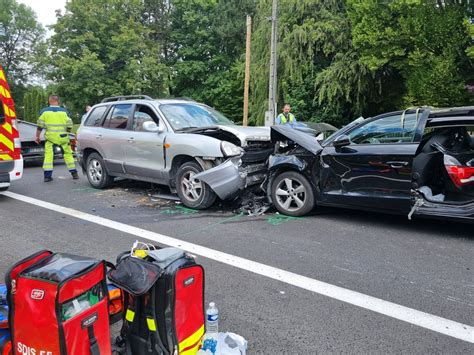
(272, 87)
(247, 71)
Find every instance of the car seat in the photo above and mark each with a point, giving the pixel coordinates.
(429, 161)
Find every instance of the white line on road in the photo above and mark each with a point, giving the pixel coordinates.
(441, 325)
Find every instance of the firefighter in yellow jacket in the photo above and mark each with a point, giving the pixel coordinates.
(57, 124)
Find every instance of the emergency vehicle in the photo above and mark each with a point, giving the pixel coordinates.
(11, 161)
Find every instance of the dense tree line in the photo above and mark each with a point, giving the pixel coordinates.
(337, 58)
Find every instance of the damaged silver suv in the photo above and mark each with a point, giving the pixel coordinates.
(186, 145)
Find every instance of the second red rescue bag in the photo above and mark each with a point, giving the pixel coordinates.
(163, 310)
(58, 305)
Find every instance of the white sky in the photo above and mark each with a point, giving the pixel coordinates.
(45, 9)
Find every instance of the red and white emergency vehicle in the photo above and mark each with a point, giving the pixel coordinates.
(11, 161)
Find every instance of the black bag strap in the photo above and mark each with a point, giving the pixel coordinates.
(151, 322)
(93, 345)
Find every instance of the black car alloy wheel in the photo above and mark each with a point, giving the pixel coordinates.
(292, 194)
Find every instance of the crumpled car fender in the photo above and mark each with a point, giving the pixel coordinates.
(278, 161)
(225, 179)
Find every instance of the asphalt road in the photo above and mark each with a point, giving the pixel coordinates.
(424, 265)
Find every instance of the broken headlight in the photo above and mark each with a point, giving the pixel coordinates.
(230, 150)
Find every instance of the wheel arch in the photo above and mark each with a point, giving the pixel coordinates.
(177, 161)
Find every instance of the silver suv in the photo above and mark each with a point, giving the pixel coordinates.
(186, 145)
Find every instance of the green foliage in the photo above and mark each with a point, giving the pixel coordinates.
(336, 58)
(20, 36)
(101, 48)
(425, 42)
(206, 39)
(34, 100)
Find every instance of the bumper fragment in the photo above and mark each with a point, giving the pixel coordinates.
(225, 179)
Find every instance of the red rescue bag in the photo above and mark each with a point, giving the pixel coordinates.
(58, 304)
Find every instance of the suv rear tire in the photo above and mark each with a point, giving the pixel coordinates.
(96, 172)
(193, 193)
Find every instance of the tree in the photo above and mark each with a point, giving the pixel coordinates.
(319, 73)
(34, 100)
(424, 41)
(20, 35)
(102, 48)
(206, 40)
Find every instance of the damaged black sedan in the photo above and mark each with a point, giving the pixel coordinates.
(416, 162)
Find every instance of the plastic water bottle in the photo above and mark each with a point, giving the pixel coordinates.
(212, 321)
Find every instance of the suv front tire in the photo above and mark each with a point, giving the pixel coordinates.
(193, 193)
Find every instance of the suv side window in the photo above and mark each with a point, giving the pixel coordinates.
(386, 130)
(95, 117)
(143, 114)
(118, 116)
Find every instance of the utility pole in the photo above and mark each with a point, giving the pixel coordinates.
(247, 71)
(272, 87)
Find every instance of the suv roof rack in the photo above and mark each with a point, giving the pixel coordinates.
(126, 97)
(177, 98)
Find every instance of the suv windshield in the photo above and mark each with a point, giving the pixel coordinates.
(183, 116)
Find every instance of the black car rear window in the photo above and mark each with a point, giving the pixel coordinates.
(95, 117)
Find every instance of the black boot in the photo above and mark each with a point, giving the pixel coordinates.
(75, 175)
(48, 179)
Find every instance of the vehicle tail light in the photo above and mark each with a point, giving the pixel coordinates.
(73, 142)
(17, 150)
(461, 175)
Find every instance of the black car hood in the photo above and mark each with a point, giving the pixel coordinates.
(284, 133)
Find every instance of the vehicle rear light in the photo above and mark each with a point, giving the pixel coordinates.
(17, 150)
(461, 175)
(18, 173)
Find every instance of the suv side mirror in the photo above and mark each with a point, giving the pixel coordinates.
(341, 141)
(150, 126)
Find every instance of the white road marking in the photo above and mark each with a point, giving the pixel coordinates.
(425, 320)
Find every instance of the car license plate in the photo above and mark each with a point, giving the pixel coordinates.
(35, 150)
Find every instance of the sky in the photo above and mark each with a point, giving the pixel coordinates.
(45, 9)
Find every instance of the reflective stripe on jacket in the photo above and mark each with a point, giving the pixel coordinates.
(55, 120)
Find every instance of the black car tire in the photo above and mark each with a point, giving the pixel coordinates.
(292, 194)
(3, 189)
(96, 172)
(197, 195)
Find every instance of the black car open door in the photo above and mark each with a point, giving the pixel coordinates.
(443, 174)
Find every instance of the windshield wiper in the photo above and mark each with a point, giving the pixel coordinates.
(196, 129)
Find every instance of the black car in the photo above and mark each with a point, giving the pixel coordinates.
(414, 162)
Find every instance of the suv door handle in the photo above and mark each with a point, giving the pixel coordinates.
(131, 140)
(99, 136)
(397, 164)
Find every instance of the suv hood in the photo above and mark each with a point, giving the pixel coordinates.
(246, 134)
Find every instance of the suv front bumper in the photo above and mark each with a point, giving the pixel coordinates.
(231, 177)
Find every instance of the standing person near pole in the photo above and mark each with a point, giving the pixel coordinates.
(55, 120)
(286, 116)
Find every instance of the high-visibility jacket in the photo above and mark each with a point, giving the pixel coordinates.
(55, 120)
(281, 119)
